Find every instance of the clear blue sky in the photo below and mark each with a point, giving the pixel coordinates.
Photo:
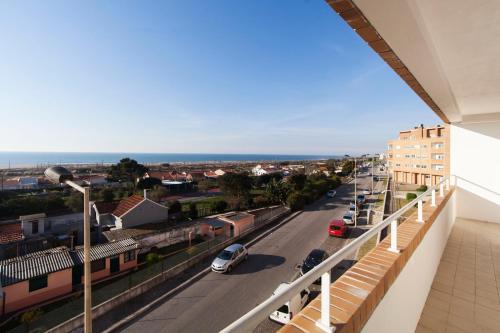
(218, 76)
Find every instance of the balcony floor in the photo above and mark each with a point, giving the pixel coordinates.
(465, 293)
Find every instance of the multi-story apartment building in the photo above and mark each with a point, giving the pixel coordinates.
(420, 155)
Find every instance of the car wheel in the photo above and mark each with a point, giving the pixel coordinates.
(246, 257)
(229, 269)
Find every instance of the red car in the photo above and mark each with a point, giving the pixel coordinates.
(337, 228)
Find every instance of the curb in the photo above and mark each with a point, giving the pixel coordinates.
(119, 324)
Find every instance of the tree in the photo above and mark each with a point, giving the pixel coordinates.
(206, 184)
(75, 202)
(158, 193)
(296, 201)
(148, 183)
(127, 170)
(174, 207)
(237, 185)
(266, 178)
(347, 167)
(297, 181)
(107, 194)
(276, 192)
(218, 206)
(30, 316)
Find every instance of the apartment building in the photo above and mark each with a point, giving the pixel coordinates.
(420, 155)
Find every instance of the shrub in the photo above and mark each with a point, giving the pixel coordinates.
(152, 258)
(193, 210)
(296, 201)
(410, 196)
(218, 206)
(422, 188)
(174, 207)
(260, 201)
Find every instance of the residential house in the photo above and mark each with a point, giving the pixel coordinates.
(51, 274)
(130, 212)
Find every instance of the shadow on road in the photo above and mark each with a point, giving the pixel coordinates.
(258, 262)
(355, 232)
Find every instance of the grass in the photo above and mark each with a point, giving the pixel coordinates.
(367, 247)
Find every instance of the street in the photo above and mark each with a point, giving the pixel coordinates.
(214, 301)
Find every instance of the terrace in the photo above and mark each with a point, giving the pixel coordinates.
(438, 270)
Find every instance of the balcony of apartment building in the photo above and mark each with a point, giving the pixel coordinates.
(438, 269)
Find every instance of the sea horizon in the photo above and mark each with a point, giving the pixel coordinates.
(40, 159)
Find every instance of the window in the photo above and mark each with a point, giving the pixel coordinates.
(38, 282)
(438, 167)
(98, 265)
(129, 256)
(438, 145)
(34, 227)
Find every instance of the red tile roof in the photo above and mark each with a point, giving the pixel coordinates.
(10, 233)
(106, 207)
(126, 204)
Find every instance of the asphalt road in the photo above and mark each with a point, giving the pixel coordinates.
(214, 301)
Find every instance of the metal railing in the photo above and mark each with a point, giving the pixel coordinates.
(250, 320)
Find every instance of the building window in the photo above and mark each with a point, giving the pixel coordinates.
(98, 265)
(438, 145)
(129, 256)
(438, 167)
(34, 227)
(38, 282)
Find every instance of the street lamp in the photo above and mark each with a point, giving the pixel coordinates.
(60, 175)
(355, 196)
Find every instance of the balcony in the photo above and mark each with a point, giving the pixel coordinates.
(432, 273)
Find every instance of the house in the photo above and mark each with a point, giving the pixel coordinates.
(19, 183)
(195, 175)
(258, 170)
(33, 225)
(239, 222)
(168, 176)
(51, 274)
(132, 211)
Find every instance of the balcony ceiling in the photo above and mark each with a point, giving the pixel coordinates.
(452, 48)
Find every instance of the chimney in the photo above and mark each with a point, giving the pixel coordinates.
(145, 194)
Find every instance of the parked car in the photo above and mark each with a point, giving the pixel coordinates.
(367, 191)
(354, 210)
(285, 313)
(337, 228)
(361, 198)
(348, 217)
(316, 257)
(331, 193)
(229, 257)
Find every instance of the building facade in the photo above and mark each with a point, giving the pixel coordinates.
(420, 156)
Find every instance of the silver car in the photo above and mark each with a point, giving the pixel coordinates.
(229, 257)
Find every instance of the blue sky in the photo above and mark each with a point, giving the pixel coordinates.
(218, 76)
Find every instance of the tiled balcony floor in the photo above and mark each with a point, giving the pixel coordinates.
(465, 293)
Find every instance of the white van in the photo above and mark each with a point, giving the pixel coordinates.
(285, 313)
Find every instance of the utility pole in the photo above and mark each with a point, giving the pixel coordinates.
(355, 197)
(373, 162)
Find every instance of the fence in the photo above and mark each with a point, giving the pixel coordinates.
(64, 315)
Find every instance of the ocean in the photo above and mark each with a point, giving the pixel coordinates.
(40, 159)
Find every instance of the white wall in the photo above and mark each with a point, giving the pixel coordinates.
(395, 314)
(475, 159)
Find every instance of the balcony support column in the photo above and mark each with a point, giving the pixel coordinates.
(394, 236)
(324, 322)
(420, 209)
(441, 190)
(433, 198)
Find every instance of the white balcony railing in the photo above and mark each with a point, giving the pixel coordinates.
(250, 320)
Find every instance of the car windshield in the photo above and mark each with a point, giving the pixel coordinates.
(225, 255)
(361, 196)
(315, 256)
(347, 217)
(335, 227)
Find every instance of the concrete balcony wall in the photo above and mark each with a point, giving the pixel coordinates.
(475, 160)
(395, 313)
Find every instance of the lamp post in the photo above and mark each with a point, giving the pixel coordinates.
(60, 175)
(355, 196)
